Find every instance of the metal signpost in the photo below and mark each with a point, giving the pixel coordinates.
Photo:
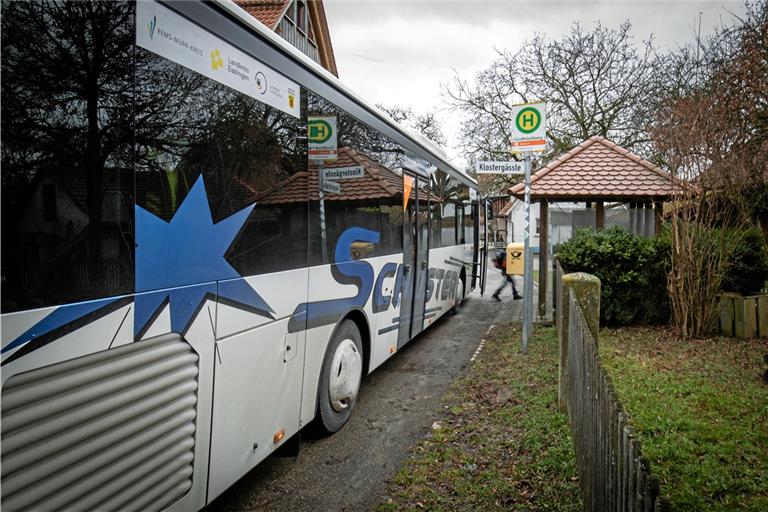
(528, 136)
(322, 146)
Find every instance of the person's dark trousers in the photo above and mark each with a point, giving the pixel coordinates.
(508, 279)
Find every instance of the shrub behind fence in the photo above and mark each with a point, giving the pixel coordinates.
(613, 474)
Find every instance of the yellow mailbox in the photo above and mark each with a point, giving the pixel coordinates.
(515, 258)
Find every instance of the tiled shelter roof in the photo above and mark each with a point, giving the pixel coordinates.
(268, 12)
(598, 169)
(378, 182)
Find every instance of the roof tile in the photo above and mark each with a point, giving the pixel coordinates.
(598, 168)
(378, 182)
(268, 12)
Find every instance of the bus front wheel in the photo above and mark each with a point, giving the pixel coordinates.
(340, 378)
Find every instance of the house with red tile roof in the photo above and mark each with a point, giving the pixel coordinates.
(377, 182)
(300, 22)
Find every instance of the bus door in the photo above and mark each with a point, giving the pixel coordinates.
(487, 214)
(415, 257)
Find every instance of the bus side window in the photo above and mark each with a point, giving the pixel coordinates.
(469, 223)
(460, 224)
(364, 190)
(67, 190)
(244, 153)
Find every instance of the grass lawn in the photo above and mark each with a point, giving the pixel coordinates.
(701, 411)
(501, 443)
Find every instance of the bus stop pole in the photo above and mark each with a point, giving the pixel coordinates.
(320, 181)
(527, 262)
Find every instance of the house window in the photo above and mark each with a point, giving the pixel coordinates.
(49, 202)
(301, 16)
(291, 12)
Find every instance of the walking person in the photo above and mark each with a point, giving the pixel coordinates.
(500, 262)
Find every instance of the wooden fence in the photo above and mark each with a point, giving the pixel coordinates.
(613, 474)
(743, 317)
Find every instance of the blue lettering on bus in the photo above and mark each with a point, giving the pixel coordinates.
(345, 270)
(397, 292)
(381, 302)
(430, 283)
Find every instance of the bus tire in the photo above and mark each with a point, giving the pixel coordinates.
(459, 297)
(340, 378)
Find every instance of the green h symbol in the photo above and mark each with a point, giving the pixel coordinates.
(317, 131)
(528, 120)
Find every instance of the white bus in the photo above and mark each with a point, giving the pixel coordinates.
(183, 288)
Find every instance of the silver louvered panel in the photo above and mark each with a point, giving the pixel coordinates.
(109, 431)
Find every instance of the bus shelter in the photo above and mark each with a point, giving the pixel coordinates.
(598, 172)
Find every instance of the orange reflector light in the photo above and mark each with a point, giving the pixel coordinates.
(392, 350)
(279, 435)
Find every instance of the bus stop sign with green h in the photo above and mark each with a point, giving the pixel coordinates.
(528, 120)
(319, 131)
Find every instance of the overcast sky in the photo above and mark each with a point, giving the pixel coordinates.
(400, 52)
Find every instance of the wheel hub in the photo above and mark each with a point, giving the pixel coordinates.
(344, 379)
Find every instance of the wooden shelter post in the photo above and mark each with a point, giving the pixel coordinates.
(543, 255)
(599, 215)
(658, 208)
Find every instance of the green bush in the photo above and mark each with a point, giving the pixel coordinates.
(748, 267)
(632, 272)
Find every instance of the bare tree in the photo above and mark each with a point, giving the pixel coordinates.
(424, 124)
(595, 82)
(713, 134)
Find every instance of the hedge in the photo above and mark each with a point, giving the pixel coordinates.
(632, 271)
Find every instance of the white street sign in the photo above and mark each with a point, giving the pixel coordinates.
(343, 173)
(500, 167)
(331, 186)
(528, 128)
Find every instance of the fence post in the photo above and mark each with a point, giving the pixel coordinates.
(586, 288)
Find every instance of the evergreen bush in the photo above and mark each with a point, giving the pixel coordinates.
(632, 272)
(748, 268)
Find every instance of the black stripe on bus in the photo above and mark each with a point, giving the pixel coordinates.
(388, 329)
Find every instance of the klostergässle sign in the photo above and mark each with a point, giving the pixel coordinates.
(511, 167)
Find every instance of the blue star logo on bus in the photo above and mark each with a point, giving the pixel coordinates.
(173, 256)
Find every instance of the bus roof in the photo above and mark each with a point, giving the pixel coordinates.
(433, 150)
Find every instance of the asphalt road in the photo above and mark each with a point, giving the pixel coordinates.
(397, 405)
